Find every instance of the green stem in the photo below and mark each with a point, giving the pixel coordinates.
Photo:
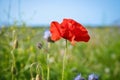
(48, 67)
(13, 65)
(38, 69)
(13, 57)
(64, 58)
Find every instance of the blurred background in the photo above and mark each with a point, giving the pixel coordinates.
(22, 26)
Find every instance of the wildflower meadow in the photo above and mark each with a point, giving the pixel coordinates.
(28, 53)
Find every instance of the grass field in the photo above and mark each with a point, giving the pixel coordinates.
(101, 55)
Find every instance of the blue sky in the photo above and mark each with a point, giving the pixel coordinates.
(35, 12)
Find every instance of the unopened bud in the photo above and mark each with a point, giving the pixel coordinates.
(33, 79)
(39, 45)
(15, 44)
(13, 70)
(38, 77)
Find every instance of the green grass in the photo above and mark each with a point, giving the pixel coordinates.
(101, 55)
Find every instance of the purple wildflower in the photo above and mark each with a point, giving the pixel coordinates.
(92, 77)
(47, 36)
(79, 77)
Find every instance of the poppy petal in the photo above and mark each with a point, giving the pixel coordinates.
(54, 29)
(69, 29)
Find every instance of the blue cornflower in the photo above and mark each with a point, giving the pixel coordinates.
(93, 77)
(47, 36)
(79, 77)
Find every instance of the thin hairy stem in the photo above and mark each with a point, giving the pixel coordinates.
(64, 58)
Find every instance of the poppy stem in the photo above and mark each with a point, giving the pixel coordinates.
(64, 58)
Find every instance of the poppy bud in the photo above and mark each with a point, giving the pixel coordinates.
(38, 77)
(15, 44)
(39, 45)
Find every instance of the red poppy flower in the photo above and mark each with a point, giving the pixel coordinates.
(69, 29)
